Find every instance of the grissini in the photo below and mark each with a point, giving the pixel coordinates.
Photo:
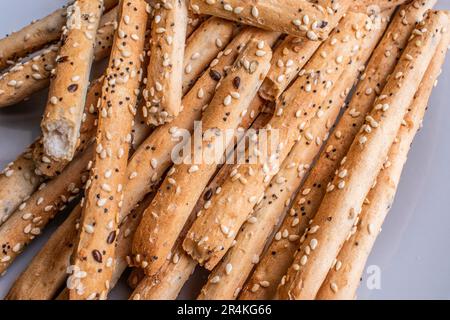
(68, 87)
(287, 61)
(94, 253)
(211, 36)
(178, 267)
(124, 237)
(165, 218)
(36, 35)
(279, 255)
(165, 69)
(156, 150)
(18, 181)
(51, 167)
(235, 266)
(213, 232)
(343, 279)
(358, 170)
(299, 18)
(367, 6)
(46, 273)
(194, 20)
(26, 78)
(30, 218)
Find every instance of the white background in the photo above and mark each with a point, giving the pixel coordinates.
(412, 251)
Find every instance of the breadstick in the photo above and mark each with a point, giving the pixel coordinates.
(18, 181)
(36, 35)
(358, 170)
(30, 218)
(51, 262)
(279, 255)
(367, 6)
(177, 268)
(287, 61)
(343, 279)
(165, 69)
(250, 241)
(213, 232)
(299, 18)
(162, 224)
(26, 78)
(95, 249)
(51, 167)
(194, 20)
(67, 94)
(203, 45)
(156, 150)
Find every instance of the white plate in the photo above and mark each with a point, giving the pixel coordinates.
(411, 254)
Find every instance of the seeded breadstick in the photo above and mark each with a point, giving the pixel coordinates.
(51, 167)
(165, 69)
(51, 262)
(194, 20)
(279, 255)
(343, 279)
(214, 231)
(156, 150)
(177, 268)
(358, 170)
(203, 45)
(34, 214)
(160, 223)
(18, 181)
(94, 252)
(239, 260)
(26, 78)
(380, 5)
(287, 61)
(297, 17)
(63, 114)
(36, 35)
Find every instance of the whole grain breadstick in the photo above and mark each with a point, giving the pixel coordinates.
(300, 18)
(46, 273)
(63, 114)
(279, 255)
(165, 70)
(343, 279)
(33, 214)
(165, 218)
(155, 150)
(214, 231)
(94, 252)
(36, 35)
(229, 275)
(367, 6)
(51, 167)
(26, 78)
(18, 181)
(287, 61)
(358, 170)
(203, 45)
(177, 268)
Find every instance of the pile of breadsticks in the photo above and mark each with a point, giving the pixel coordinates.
(342, 84)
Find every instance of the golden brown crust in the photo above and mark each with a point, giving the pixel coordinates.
(26, 78)
(68, 87)
(344, 278)
(36, 35)
(279, 255)
(165, 217)
(165, 69)
(368, 6)
(297, 17)
(214, 231)
(358, 170)
(94, 253)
